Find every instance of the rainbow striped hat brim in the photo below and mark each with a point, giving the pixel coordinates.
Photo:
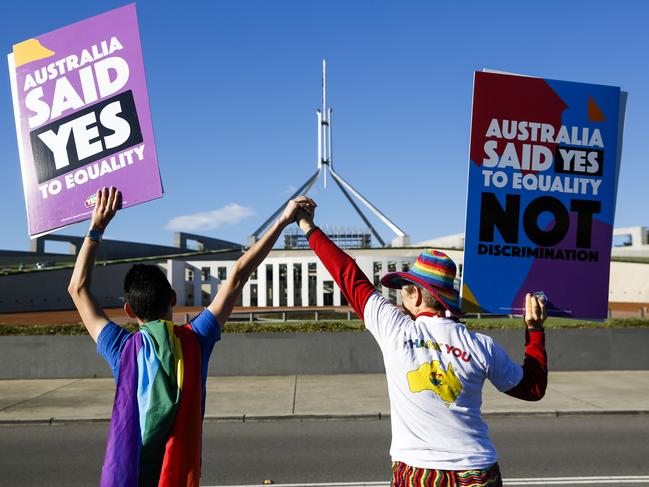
(434, 271)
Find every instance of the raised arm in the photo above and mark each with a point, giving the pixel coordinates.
(535, 366)
(229, 292)
(354, 284)
(93, 316)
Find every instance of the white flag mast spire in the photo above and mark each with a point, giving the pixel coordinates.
(324, 128)
(324, 162)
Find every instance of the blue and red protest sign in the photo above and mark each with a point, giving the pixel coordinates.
(544, 161)
(82, 119)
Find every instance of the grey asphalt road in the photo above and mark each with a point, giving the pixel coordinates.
(295, 452)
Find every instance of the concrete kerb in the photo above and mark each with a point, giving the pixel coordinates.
(326, 417)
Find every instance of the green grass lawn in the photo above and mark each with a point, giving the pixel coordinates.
(335, 325)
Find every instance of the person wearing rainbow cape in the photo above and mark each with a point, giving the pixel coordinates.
(435, 367)
(156, 426)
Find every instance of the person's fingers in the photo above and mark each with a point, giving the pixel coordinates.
(544, 314)
(291, 208)
(306, 206)
(528, 306)
(536, 310)
(98, 195)
(117, 201)
(111, 198)
(305, 200)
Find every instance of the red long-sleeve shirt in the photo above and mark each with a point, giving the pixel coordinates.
(535, 369)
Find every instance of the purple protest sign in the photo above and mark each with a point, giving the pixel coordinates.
(82, 119)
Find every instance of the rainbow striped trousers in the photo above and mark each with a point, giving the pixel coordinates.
(406, 476)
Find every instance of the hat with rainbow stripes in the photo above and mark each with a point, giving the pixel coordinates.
(434, 271)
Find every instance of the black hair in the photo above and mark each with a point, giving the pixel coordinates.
(147, 291)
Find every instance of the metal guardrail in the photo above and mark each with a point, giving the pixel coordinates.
(286, 314)
(289, 314)
(315, 314)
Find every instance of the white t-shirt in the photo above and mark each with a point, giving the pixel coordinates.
(435, 370)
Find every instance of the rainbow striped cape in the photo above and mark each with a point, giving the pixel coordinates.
(155, 430)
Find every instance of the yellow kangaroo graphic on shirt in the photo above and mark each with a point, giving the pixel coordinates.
(432, 376)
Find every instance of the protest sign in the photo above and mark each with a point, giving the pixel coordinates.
(82, 119)
(544, 161)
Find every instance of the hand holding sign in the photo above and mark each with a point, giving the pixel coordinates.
(535, 313)
(108, 202)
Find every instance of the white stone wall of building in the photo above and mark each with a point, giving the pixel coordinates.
(629, 283)
(366, 261)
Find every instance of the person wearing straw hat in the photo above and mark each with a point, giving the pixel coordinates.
(435, 367)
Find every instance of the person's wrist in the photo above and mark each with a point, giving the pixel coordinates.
(306, 225)
(283, 222)
(534, 327)
(98, 225)
(95, 233)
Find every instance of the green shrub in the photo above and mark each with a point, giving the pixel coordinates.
(332, 325)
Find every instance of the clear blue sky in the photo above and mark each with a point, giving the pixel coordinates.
(234, 86)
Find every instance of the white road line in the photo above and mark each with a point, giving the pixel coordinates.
(620, 479)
